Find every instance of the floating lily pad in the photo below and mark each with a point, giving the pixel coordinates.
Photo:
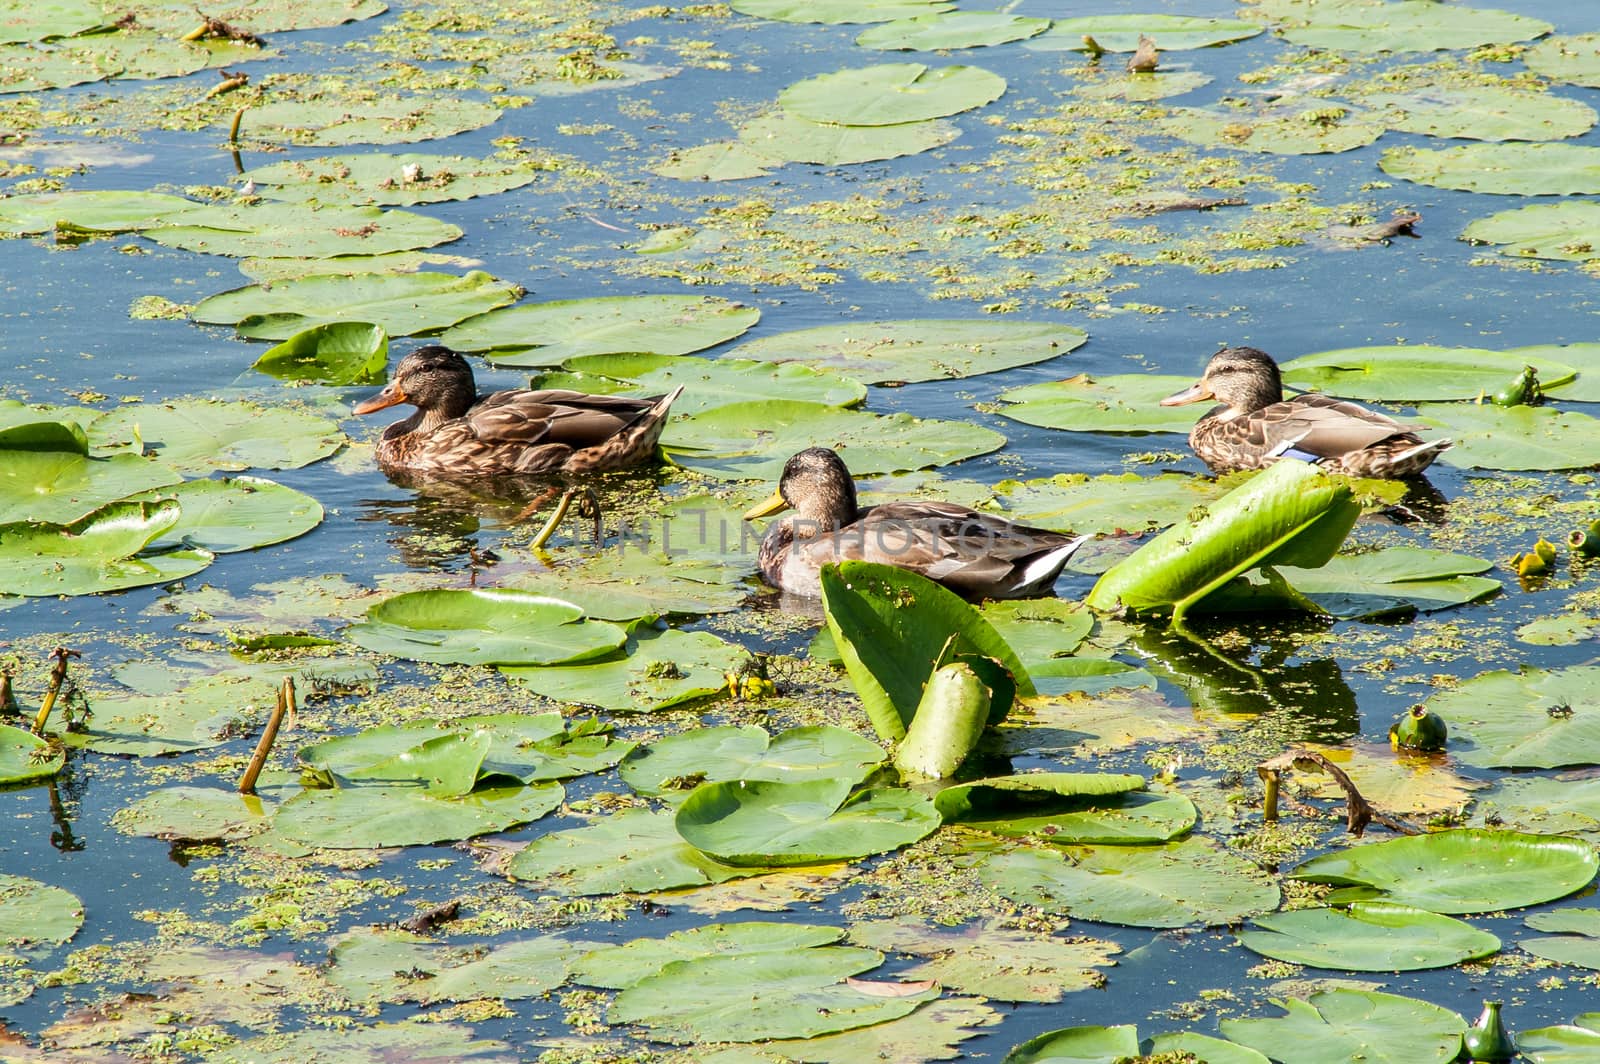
(273, 270)
(101, 210)
(197, 717)
(1138, 87)
(1301, 128)
(49, 18)
(340, 352)
(766, 822)
(1049, 807)
(784, 137)
(267, 228)
(202, 435)
(1179, 883)
(752, 441)
(635, 850)
(628, 964)
(1565, 232)
(443, 762)
(998, 963)
(401, 303)
(1397, 26)
(1117, 503)
(98, 552)
(1397, 579)
(35, 914)
(24, 756)
(64, 486)
(1576, 937)
(260, 16)
(196, 813)
(1078, 1045)
(1514, 437)
(835, 12)
(660, 670)
(1121, 33)
(44, 428)
(1573, 59)
(708, 382)
(381, 178)
(376, 120)
(641, 579)
(1547, 804)
(1483, 112)
(235, 513)
(1506, 169)
(373, 965)
(723, 160)
(1122, 403)
(484, 627)
(1338, 1026)
(1535, 718)
(100, 57)
(1568, 1043)
(952, 29)
(670, 768)
(1039, 630)
(547, 334)
(380, 1043)
(918, 349)
(1466, 870)
(358, 818)
(1413, 373)
(891, 93)
(1368, 937)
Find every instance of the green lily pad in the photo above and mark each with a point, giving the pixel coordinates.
(1068, 808)
(383, 178)
(1116, 503)
(708, 382)
(547, 334)
(101, 210)
(1122, 403)
(1465, 870)
(358, 818)
(951, 29)
(35, 914)
(484, 627)
(723, 160)
(1078, 1045)
(1368, 937)
(1576, 937)
(1039, 630)
(339, 352)
(1513, 437)
(1565, 232)
(835, 12)
(444, 763)
(752, 441)
(631, 963)
(1483, 112)
(196, 813)
(99, 552)
(1208, 1050)
(100, 57)
(1397, 26)
(1535, 718)
(670, 768)
(1170, 885)
(891, 93)
(27, 428)
(922, 349)
(202, 435)
(1416, 373)
(1121, 33)
(1568, 1043)
(1338, 1026)
(268, 228)
(767, 822)
(1505, 169)
(1138, 87)
(49, 18)
(197, 717)
(783, 137)
(273, 270)
(235, 514)
(261, 16)
(1397, 579)
(661, 669)
(636, 850)
(1573, 59)
(999, 963)
(1546, 804)
(65, 486)
(375, 120)
(381, 1043)
(401, 304)
(1297, 128)
(373, 965)
(639, 580)
(24, 756)
(541, 747)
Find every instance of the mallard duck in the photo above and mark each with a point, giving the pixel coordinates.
(1256, 425)
(457, 433)
(975, 554)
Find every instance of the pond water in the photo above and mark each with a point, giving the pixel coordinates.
(1015, 220)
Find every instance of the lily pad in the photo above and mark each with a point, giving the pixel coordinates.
(443, 762)
(1514, 437)
(1278, 129)
(1568, 1043)
(708, 382)
(1419, 372)
(1573, 59)
(65, 486)
(723, 160)
(547, 334)
(24, 756)
(260, 16)
(1561, 804)
(235, 514)
(835, 12)
(35, 914)
(375, 120)
(1565, 232)
(1368, 937)
(635, 850)
(1121, 403)
(999, 963)
(1397, 579)
(642, 579)
(267, 229)
(1068, 809)
(100, 57)
(891, 93)
(541, 746)
(50, 18)
(1535, 718)
(401, 303)
(1039, 630)
(784, 137)
(1484, 112)
(767, 823)
(380, 1043)
(1338, 1026)
(1575, 937)
(1121, 33)
(661, 669)
(358, 818)
(1116, 503)
(373, 965)
(101, 210)
(202, 435)
(919, 349)
(196, 813)
(340, 352)
(1078, 1045)
(1395, 25)
(1466, 870)
(1504, 169)
(1139, 87)
(629, 964)
(197, 717)
(671, 767)
(484, 627)
(952, 29)
(382, 178)
(99, 552)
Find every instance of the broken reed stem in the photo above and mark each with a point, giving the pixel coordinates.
(198, 32)
(58, 676)
(1269, 803)
(228, 83)
(258, 760)
(8, 700)
(555, 519)
(233, 130)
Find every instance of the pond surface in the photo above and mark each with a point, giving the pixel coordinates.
(1028, 215)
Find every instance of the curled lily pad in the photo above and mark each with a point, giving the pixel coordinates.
(1338, 1026)
(671, 767)
(1026, 807)
(384, 178)
(269, 228)
(917, 349)
(660, 670)
(709, 382)
(202, 435)
(484, 627)
(401, 303)
(764, 822)
(952, 29)
(1398, 26)
(784, 137)
(1121, 33)
(838, 11)
(376, 120)
(891, 93)
(24, 756)
(1506, 169)
(100, 552)
(1533, 718)
(635, 850)
(359, 818)
(339, 352)
(547, 334)
(1368, 937)
(236, 513)
(63, 486)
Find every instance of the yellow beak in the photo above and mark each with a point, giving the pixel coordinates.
(773, 504)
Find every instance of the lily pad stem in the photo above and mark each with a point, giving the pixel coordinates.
(549, 528)
(258, 760)
(58, 676)
(1269, 801)
(233, 130)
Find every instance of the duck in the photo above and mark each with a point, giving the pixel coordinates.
(455, 432)
(1255, 425)
(975, 554)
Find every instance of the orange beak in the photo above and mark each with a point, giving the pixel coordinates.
(390, 396)
(1192, 394)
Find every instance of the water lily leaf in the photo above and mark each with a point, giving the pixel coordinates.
(1138, 87)
(1398, 782)
(784, 137)
(1395, 579)
(1368, 937)
(98, 552)
(372, 965)
(339, 352)
(197, 717)
(767, 822)
(891, 93)
(1483, 112)
(1068, 808)
(1078, 1045)
(1206, 1049)
(723, 160)
(1573, 59)
(377, 1044)
(1563, 804)
(1576, 937)
(635, 850)
(541, 747)
(65, 486)
(49, 18)
(1399, 26)
(1338, 1026)
(202, 435)
(1039, 630)
(935, 1031)
(24, 756)
(709, 382)
(952, 29)
(401, 303)
(639, 581)
(1413, 373)
(273, 270)
(444, 763)
(195, 813)
(752, 441)
(99, 57)
(834, 12)
(267, 228)
(1116, 503)
(375, 120)
(1122, 403)
(1169, 885)
(1121, 33)
(547, 334)
(1278, 129)
(1468, 870)
(661, 669)
(27, 428)
(1568, 1043)
(1488, 436)
(922, 349)
(232, 514)
(1506, 169)
(998, 963)
(742, 998)
(102, 210)
(260, 16)
(484, 627)
(1533, 719)
(1565, 232)
(629, 964)
(359, 818)
(384, 178)
(35, 914)
(671, 767)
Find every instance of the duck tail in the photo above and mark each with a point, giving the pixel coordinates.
(1040, 573)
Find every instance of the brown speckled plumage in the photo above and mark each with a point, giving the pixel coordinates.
(457, 433)
(1255, 424)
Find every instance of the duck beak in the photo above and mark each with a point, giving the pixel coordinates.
(1192, 394)
(774, 503)
(390, 396)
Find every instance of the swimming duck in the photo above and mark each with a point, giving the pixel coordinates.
(975, 554)
(1255, 425)
(457, 433)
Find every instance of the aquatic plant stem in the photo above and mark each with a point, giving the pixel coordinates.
(233, 130)
(258, 760)
(549, 528)
(58, 676)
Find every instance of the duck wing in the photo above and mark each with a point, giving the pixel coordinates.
(554, 416)
(1319, 425)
